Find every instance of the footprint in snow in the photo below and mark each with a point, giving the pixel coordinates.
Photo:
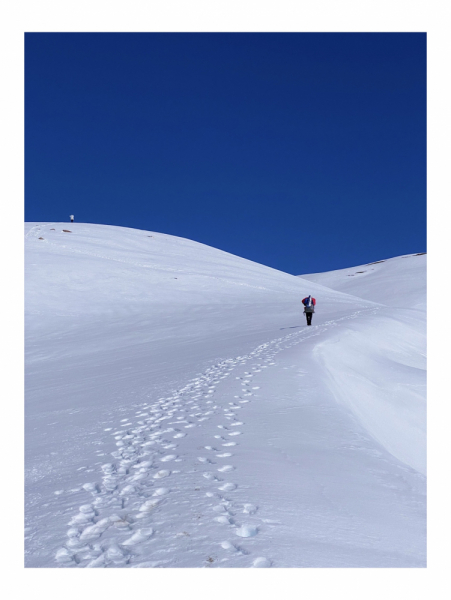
(63, 555)
(85, 515)
(168, 457)
(231, 547)
(140, 536)
(144, 465)
(89, 487)
(128, 490)
(116, 554)
(228, 487)
(223, 519)
(261, 562)
(162, 474)
(108, 468)
(92, 532)
(161, 492)
(226, 469)
(149, 505)
(119, 522)
(246, 531)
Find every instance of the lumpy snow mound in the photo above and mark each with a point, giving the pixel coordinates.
(180, 413)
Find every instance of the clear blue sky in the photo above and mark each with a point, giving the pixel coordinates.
(302, 151)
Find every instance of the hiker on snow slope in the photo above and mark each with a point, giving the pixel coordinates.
(309, 308)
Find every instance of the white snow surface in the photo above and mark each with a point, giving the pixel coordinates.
(180, 413)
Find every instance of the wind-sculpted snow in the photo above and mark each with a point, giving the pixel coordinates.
(380, 374)
(179, 413)
(380, 371)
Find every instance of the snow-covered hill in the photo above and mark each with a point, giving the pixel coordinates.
(396, 282)
(179, 412)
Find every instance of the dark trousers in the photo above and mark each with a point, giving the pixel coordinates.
(308, 316)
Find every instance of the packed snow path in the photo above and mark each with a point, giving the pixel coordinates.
(256, 461)
(168, 500)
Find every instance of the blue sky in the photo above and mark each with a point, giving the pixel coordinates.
(302, 151)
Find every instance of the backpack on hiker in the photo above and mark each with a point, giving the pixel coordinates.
(309, 304)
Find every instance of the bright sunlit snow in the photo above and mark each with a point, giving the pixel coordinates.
(180, 413)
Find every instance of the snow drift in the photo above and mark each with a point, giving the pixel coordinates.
(380, 369)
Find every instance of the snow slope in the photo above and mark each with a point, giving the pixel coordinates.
(396, 282)
(380, 371)
(179, 413)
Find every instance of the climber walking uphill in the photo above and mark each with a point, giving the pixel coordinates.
(309, 308)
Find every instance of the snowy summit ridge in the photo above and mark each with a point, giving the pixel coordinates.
(179, 412)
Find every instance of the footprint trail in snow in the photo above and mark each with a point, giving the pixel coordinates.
(170, 485)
